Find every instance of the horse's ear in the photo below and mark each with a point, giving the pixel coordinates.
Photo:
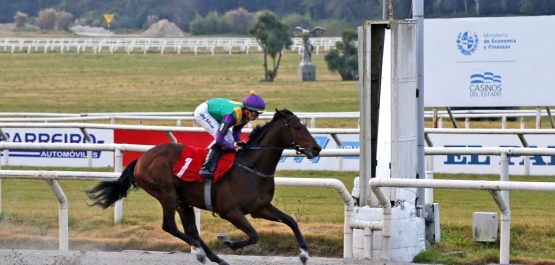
(278, 113)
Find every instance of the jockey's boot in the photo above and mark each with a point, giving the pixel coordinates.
(207, 170)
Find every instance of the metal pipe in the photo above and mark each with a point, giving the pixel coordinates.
(339, 146)
(368, 246)
(118, 166)
(62, 215)
(504, 173)
(5, 138)
(89, 140)
(526, 158)
(505, 237)
(464, 184)
(488, 131)
(171, 136)
(429, 198)
(386, 220)
(550, 117)
(452, 118)
(538, 118)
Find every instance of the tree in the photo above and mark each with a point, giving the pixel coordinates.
(346, 64)
(273, 36)
(20, 19)
(47, 19)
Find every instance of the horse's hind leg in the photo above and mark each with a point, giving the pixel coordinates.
(239, 220)
(270, 212)
(169, 225)
(187, 215)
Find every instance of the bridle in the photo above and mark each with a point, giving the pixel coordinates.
(294, 146)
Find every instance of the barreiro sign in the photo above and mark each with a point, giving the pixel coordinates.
(58, 158)
(486, 62)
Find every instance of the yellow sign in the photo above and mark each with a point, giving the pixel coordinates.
(108, 17)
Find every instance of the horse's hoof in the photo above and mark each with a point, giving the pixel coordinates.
(303, 256)
(223, 238)
(223, 263)
(200, 254)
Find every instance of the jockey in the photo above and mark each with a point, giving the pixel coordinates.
(217, 116)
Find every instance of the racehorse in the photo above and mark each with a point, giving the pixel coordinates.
(247, 188)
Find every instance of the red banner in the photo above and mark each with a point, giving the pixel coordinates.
(198, 139)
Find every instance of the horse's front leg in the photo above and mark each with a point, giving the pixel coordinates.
(270, 212)
(238, 219)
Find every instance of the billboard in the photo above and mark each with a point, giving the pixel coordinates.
(58, 158)
(488, 62)
(490, 164)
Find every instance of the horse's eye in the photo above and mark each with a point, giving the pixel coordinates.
(297, 128)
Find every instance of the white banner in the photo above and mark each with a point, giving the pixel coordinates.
(481, 164)
(502, 61)
(348, 163)
(58, 158)
(474, 164)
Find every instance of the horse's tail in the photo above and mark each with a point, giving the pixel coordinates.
(106, 193)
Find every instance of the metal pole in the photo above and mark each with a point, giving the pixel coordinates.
(418, 15)
(538, 118)
(118, 206)
(504, 175)
(384, 11)
(62, 215)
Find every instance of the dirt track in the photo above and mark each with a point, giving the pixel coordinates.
(51, 257)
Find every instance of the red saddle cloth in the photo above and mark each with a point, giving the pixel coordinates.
(190, 162)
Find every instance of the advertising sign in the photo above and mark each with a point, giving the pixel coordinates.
(349, 163)
(58, 158)
(483, 164)
(488, 62)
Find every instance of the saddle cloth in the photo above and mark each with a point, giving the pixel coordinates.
(190, 162)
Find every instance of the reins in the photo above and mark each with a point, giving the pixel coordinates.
(294, 146)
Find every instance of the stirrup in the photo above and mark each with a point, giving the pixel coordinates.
(205, 171)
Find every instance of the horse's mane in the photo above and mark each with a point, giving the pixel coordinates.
(259, 131)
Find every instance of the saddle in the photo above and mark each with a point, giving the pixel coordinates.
(190, 162)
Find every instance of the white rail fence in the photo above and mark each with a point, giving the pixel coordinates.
(493, 187)
(145, 45)
(309, 117)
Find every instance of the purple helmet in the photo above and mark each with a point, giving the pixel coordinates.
(254, 102)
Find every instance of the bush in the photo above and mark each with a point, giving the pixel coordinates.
(20, 19)
(212, 24)
(63, 20)
(47, 19)
(346, 64)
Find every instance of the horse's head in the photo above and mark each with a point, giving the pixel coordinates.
(297, 135)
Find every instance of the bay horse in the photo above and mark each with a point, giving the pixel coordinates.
(247, 188)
